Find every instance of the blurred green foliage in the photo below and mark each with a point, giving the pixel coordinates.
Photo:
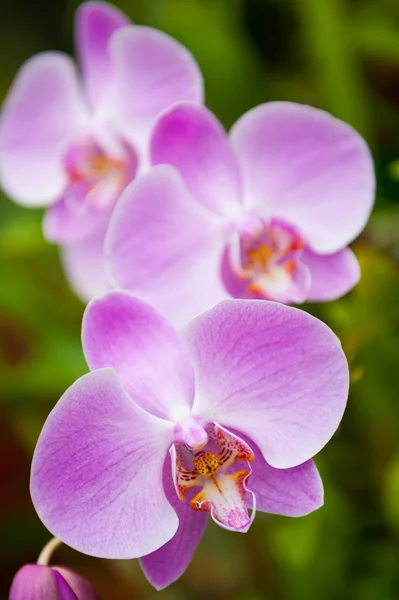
(343, 56)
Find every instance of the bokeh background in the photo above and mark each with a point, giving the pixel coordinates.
(340, 55)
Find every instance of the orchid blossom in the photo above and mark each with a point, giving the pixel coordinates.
(168, 428)
(72, 142)
(266, 213)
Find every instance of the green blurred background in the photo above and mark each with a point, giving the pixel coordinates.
(340, 55)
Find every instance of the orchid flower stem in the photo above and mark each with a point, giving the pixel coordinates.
(47, 552)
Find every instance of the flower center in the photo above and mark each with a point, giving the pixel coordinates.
(96, 176)
(103, 166)
(266, 258)
(223, 490)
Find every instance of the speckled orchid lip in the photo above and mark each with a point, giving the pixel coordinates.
(223, 490)
(95, 174)
(182, 425)
(266, 257)
(87, 162)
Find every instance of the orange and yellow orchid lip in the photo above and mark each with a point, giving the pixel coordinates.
(88, 163)
(269, 261)
(223, 491)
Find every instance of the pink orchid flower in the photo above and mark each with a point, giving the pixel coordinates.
(73, 141)
(168, 429)
(266, 213)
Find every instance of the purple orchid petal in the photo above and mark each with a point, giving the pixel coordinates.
(163, 246)
(152, 362)
(83, 263)
(153, 71)
(81, 587)
(96, 478)
(192, 140)
(45, 104)
(332, 275)
(273, 372)
(291, 492)
(307, 167)
(34, 582)
(167, 564)
(95, 24)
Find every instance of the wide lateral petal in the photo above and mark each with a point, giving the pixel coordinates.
(152, 361)
(303, 165)
(290, 492)
(44, 106)
(332, 275)
(96, 479)
(168, 563)
(152, 72)
(165, 248)
(84, 266)
(271, 371)
(192, 140)
(95, 24)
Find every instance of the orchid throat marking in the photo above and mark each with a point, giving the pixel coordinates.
(224, 491)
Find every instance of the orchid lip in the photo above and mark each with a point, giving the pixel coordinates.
(246, 523)
(224, 491)
(86, 161)
(266, 258)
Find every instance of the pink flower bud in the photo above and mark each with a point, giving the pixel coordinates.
(39, 582)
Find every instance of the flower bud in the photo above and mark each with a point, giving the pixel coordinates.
(40, 582)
